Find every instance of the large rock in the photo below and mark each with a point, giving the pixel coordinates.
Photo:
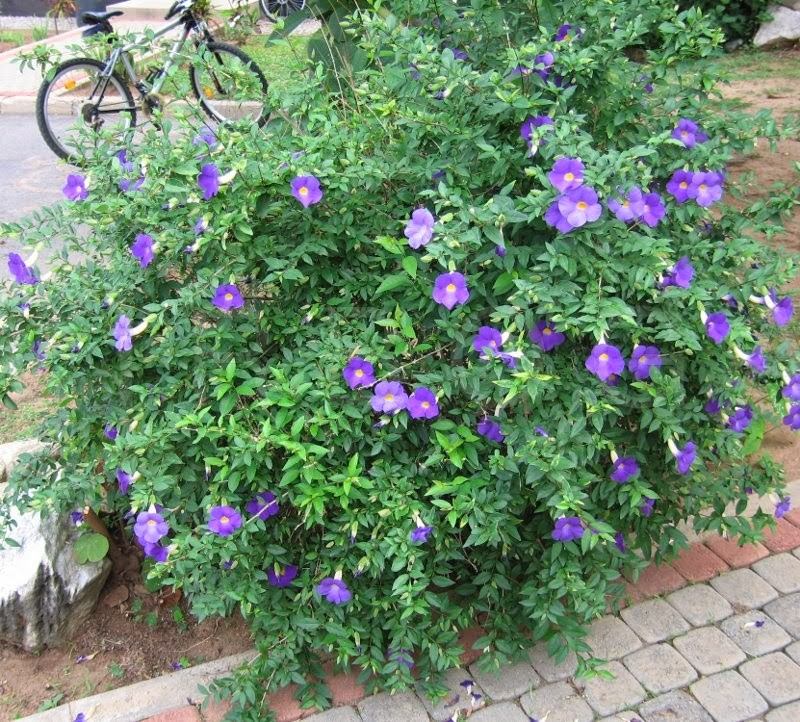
(10, 453)
(45, 595)
(793, 4)
(783, 29)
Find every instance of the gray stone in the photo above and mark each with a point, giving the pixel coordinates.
(775, 676)
(403, 707)
(654, 620)
(673, 707)
(744, 589)
(546, 666)
(609, 638)
(503, 712)
(11, 453)
(559, 701)
(782, 29)
(796, 552)
(729, 697)
(457, 698)
(700, 604)
(792, 5)
(753, 639)
(787, 713)
(339, 714)
(45, 595)
(660, 668)
(626, 716)
(786, 612)
(782, 571)
(709, 650)
(607, 696)
(793, 650)
(509, 682)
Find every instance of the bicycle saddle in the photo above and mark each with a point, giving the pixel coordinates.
(99, 18)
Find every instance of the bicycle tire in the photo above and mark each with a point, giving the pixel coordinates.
(249, 63)
(41, 100)
(274, 11)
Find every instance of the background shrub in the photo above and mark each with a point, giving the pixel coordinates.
(738, 19)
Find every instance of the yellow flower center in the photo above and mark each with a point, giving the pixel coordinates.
(359, 373)
(547, 331)
(582, 205)
(684, 134)
(229, 296)
(426, 405)
(223, 520)
(151, 522)
(625, 203)
(569, 177)
(303, 191)
(684, 184)
(604, 357)
(703, 186)
(389, 397)
(451, 288)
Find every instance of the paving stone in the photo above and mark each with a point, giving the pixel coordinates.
(654, 620)
(607, 696)
(782, 571)
(546, 666)
(729, 697)
(340, 714)
(655, 580)
(700, 604)
(503, 712)
(796, 552)
(404, 707)
(709, 650)
(775, 676)
(456, 698)
(744, 589)
(786, 612)
(509, 682)
(660, 668)
(793, 650)
(787, 713)
(785, 537)
(559, 701)
(734, 555)
(744, 630)
(674, 707)
(627, 716)
(188, 713)
(610, 638)
(698, 563)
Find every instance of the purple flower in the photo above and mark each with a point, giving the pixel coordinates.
(678, 186)
(500, 251)
(487, 342)
(22, 274)
(605, 360)
(740, 419)
(717, 327)
(419, 230)
(706, 188)
(37, 350)
(712, 407)
(491, 430)
(334, 590)
(792, 419)
(124, 480)
(208, 180)
(619, 542)
(110, 432)
(630, 208)
(76, 517)
(545, 336)
(126, 185)
(307, 190)
(688, 133)
(783, 311)
(200, 226)
(563, 33)
(646, 507)
(150, 527)
(459, 54)
(580, 206)
(568, 528)
(207, 136)
(281, 578)
(450, 289)
(556, 219)
(782, 507)
(422, 404)
(681, 274)
(263, 505)
(654, 209)
(642, 360)
(420, 534)
(80, 717)
(122, 334)
(358, 372)
(227, 297)
(625, 468)
(413, 71)
(531, 122)
(142, 249)
(389, 396)
(156, 552)
(685, 457)
(792, 389)
(122, 158)
(224, 520)
(175, 666)
(757, 361)
(75, 188)
(542, 432)
(567, 174)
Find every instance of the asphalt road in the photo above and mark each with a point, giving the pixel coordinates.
(32, 175)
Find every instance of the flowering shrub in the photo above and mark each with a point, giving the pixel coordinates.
(461, 342)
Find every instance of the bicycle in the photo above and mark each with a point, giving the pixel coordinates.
(274, 10)
(87, 93)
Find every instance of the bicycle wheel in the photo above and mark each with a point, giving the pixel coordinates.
(274, 10)
(228, 84)
(78, 99)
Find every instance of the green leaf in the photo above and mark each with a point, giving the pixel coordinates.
(755, 436)
(90, 547)
(410, 265)
(390, 283)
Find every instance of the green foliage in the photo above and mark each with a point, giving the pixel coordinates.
(90, 547)
(213, 407)
(738, 19)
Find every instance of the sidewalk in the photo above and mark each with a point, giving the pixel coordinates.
(712, 637)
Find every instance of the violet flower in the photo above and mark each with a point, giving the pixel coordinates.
(20, 271)
(782, 507)
(579, 206)
(124, 480)
(142, 249)
(678, 186)
(422, 404)
(389, 396)
(122, 334)
(630, 208)
(208, 181)
(647, 506)
(224, 520)
(740, 419)
(282, 578)
(654, 209)
(717, 327)
(681, 274)
(706, 188)
(619, 542)
(150, 527)
(76, 188)
(545, 335)
(420, 534)
(604, 361)
(450, 290)
(307, 190)
(568, 528)
(688, 133)
(792, 389)
(491, 430)
(263, 505)
(487, 342)
(625, 468)
(643, 359)
(419, 230)
(792, 419)
(358, 372)
(334, 590)
(227, 297)
(110, 432)
(567, 174)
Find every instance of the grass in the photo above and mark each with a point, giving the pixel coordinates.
(32, 409)
(14, 37)
(283, 64)
(755, 64)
